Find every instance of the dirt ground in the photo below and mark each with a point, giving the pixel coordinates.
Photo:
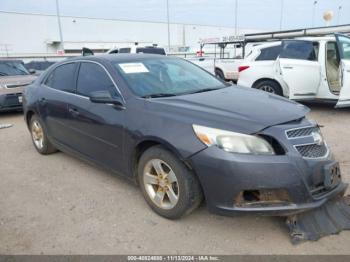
(57, 204)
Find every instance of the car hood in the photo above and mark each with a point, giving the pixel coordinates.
(19, 80)
(15, 84)
(235, 108)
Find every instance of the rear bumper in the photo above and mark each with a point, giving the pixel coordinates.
(231, 76)
(244, 83)
(224, 176)
(11, 102)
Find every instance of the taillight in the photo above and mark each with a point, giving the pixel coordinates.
(242, 68)
(200, 53)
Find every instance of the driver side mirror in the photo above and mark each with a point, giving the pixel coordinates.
(32, 71)
(104, 97)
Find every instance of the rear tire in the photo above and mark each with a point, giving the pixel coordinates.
(220, 74)
(269, 87)
(39, 137)
(169, 188)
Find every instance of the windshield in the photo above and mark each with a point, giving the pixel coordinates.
(12, 68)
(344, 46)
(162, 77)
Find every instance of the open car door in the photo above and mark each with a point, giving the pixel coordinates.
(343, 43)
(299, 68)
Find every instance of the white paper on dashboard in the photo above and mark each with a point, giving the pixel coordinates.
(133, 68)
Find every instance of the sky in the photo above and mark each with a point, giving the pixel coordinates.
(253, 14)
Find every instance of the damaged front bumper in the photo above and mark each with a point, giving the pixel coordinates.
(331, 218)
(276, 185)
(266, 185)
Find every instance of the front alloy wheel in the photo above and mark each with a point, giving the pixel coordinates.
(161, 184)
(168, 186)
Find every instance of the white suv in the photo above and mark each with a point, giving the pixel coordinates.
(309, 68)
(138, 49)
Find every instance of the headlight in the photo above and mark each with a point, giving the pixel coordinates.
(233, 142)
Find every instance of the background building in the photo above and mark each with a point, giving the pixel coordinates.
(38, 34)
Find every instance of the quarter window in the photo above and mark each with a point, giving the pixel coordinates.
(62, 78)
(93, 78)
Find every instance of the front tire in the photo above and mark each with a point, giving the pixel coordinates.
(270, 87)
(39, 137)
(169, 188)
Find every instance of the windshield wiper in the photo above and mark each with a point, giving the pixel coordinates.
(203, 90)
(157, 95)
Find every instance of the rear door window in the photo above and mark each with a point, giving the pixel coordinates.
(299, 49)
(63, 78)
(269, 53)
(92, 79)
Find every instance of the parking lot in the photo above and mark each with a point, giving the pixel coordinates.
(58, 204)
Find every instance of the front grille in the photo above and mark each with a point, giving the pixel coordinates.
(312, 151)
(315, 147)
(14, 85)
(12, 100)
(307, 131)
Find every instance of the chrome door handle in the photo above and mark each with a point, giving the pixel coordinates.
(42, 101)
(288, 67)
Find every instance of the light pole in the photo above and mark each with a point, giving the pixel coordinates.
(168, 22)
(236, 19)
(313, 13)
(339, 13)
(281, 18)
(59, 25)
(236, 25)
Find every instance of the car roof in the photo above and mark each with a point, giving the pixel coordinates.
(265, 45)
(317, 38)
(306, 38)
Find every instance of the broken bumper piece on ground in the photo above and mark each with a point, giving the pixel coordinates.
(2, 126)
(331, 218)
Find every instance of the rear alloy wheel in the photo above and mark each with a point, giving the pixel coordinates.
(269, 87)
(169, 188)
(39, 137)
